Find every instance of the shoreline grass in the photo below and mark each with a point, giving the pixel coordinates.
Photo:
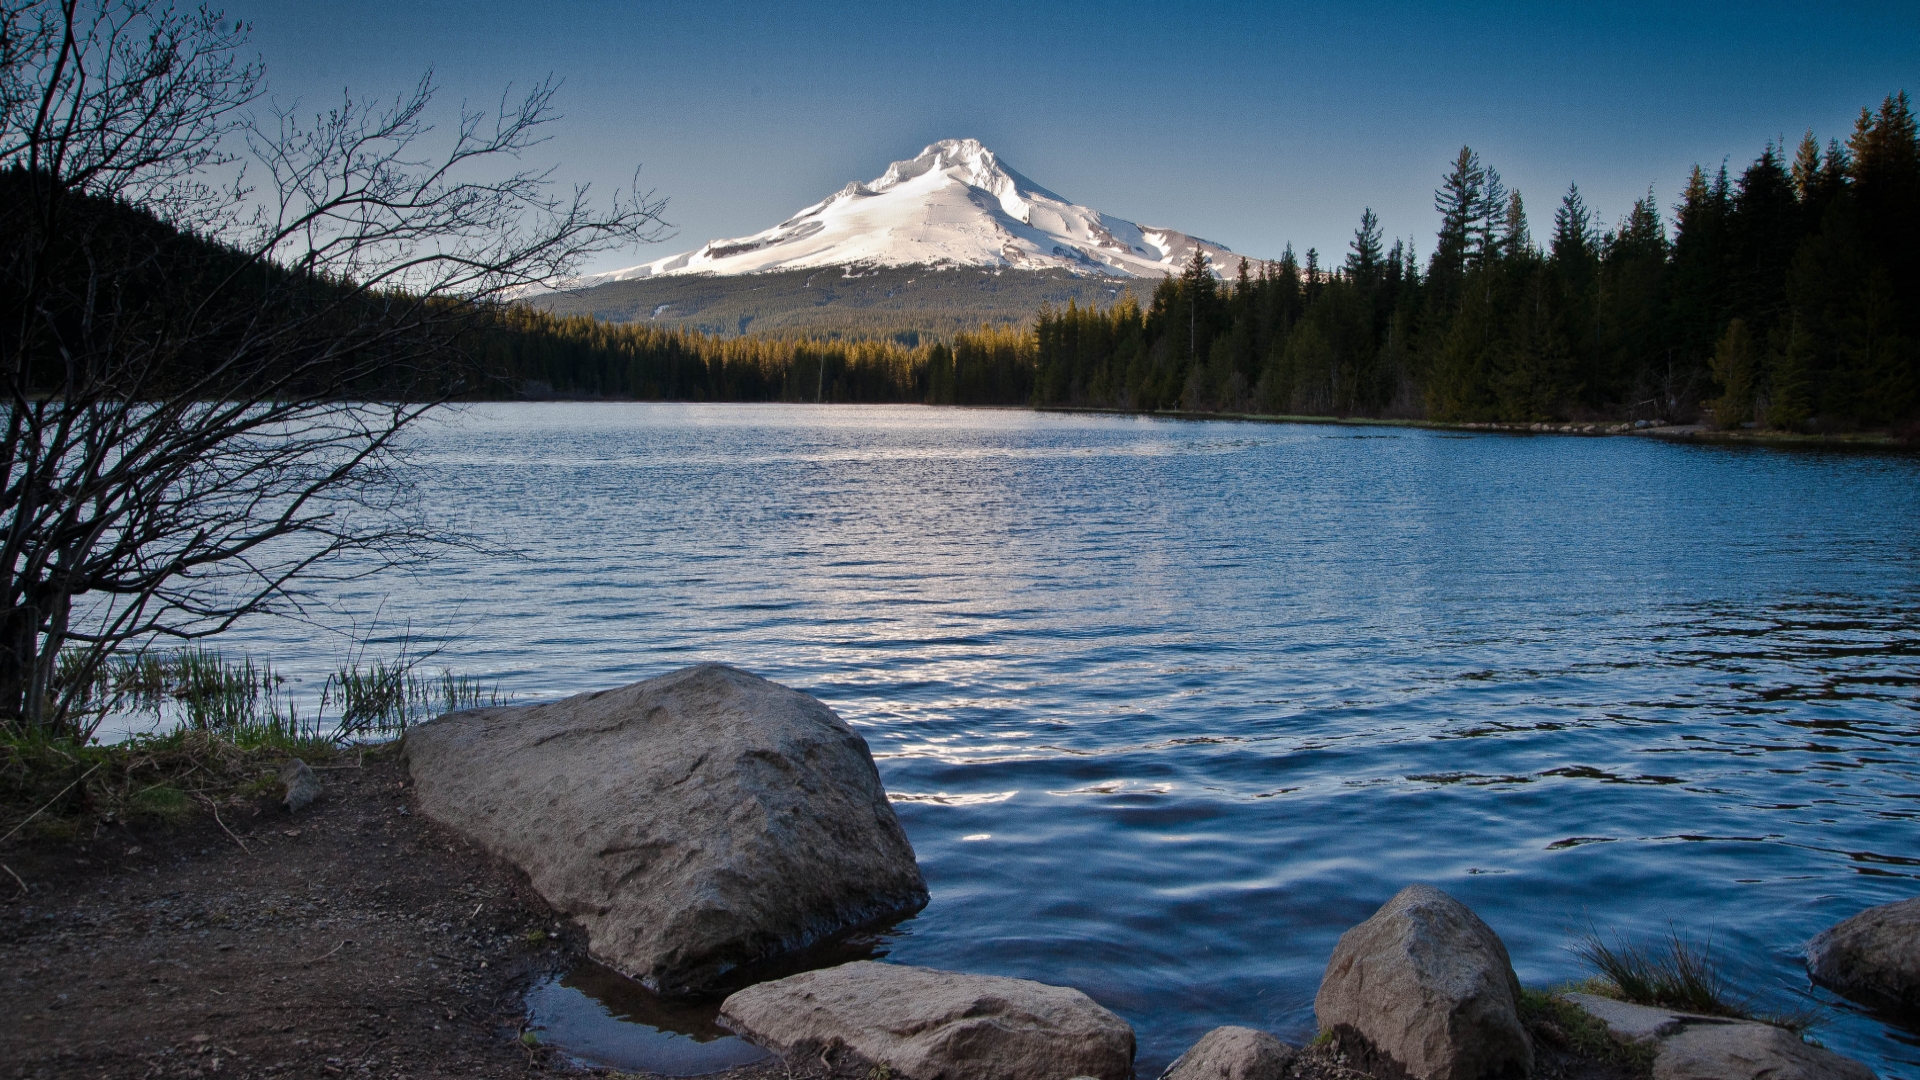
(226, 725)
(1675, 974)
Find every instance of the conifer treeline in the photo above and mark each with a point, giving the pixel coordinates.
(537, 354)
(1788, 296)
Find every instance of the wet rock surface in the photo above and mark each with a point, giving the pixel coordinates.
(1233, 1053)
(692, 823)
(1749, 1052)
(1692, 1046)
(1872, 957)
(922, 1024)
(1426, 988)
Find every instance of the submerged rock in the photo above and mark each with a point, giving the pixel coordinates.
(301, 785)
(1872, 957)
(691, 823)
(1691, 1046)
(1427, 986)
(923, 1024)
(1233, 1053)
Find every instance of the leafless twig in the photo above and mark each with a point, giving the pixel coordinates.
(43, 809)
(223, 825)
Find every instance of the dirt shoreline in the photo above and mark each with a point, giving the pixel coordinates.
(356, 939)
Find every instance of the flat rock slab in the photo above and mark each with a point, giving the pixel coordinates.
(1637, 1023)
(924, 1024)
(691, 823)
(1691, 1046)
(1233, 1053)
(1873, 957)
(1429, 987)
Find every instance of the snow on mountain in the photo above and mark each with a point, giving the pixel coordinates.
(954, 205)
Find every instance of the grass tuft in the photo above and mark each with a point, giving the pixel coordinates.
(245, 702)
(1675, 974)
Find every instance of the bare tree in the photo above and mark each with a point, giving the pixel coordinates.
(215, 328)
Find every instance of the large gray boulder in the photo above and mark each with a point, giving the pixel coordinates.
(691, 823)
(924, 1024)
(1233, 1053)
(1872, 957)
(1427, 986)
(1690, 1046)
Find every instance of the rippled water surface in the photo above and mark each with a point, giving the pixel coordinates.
(1167, 706)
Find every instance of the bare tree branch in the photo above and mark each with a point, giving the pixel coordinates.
(209, 384)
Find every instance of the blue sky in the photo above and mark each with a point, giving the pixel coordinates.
(1251, 125)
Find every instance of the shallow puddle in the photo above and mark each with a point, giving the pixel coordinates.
(602, 1018)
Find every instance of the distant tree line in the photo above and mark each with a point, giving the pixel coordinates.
(1787, 297)
(534, 354)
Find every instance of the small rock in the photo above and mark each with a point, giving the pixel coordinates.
(1873, 957)
(1747, 1051)
(1233, 1053)
(302, 786)
(1429, 987)
(923, 1024)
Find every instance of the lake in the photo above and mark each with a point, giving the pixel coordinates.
(1167, 706)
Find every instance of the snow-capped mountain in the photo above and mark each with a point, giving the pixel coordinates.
(955, 205)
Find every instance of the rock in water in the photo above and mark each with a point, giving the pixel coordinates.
(1872, 957)
(1749, 1052)
(692, 823)
(935, 1025)
(1692, 1046)
(1233, 1053)
(302, 786)
(1427, 985)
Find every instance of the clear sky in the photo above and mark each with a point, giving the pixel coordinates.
(1248, 124)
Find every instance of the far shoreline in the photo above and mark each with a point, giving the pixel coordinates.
(1692, 433)
(1862, 441)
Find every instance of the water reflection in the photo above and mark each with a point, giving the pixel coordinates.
(600, 1017)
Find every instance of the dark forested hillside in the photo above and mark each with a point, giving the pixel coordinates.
(536, 354)
(848, 303)
(1787, 296)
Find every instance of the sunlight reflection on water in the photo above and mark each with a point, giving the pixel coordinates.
(1167, 706)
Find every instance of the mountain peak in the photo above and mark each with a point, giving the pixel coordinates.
(954, 204)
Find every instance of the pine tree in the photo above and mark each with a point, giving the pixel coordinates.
(1886, 186)
(1734, 366)
(1698, 306)
(1460, 201)
(1573, 233)
(1515, 240)
(1364, 260)
(1488, 229)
